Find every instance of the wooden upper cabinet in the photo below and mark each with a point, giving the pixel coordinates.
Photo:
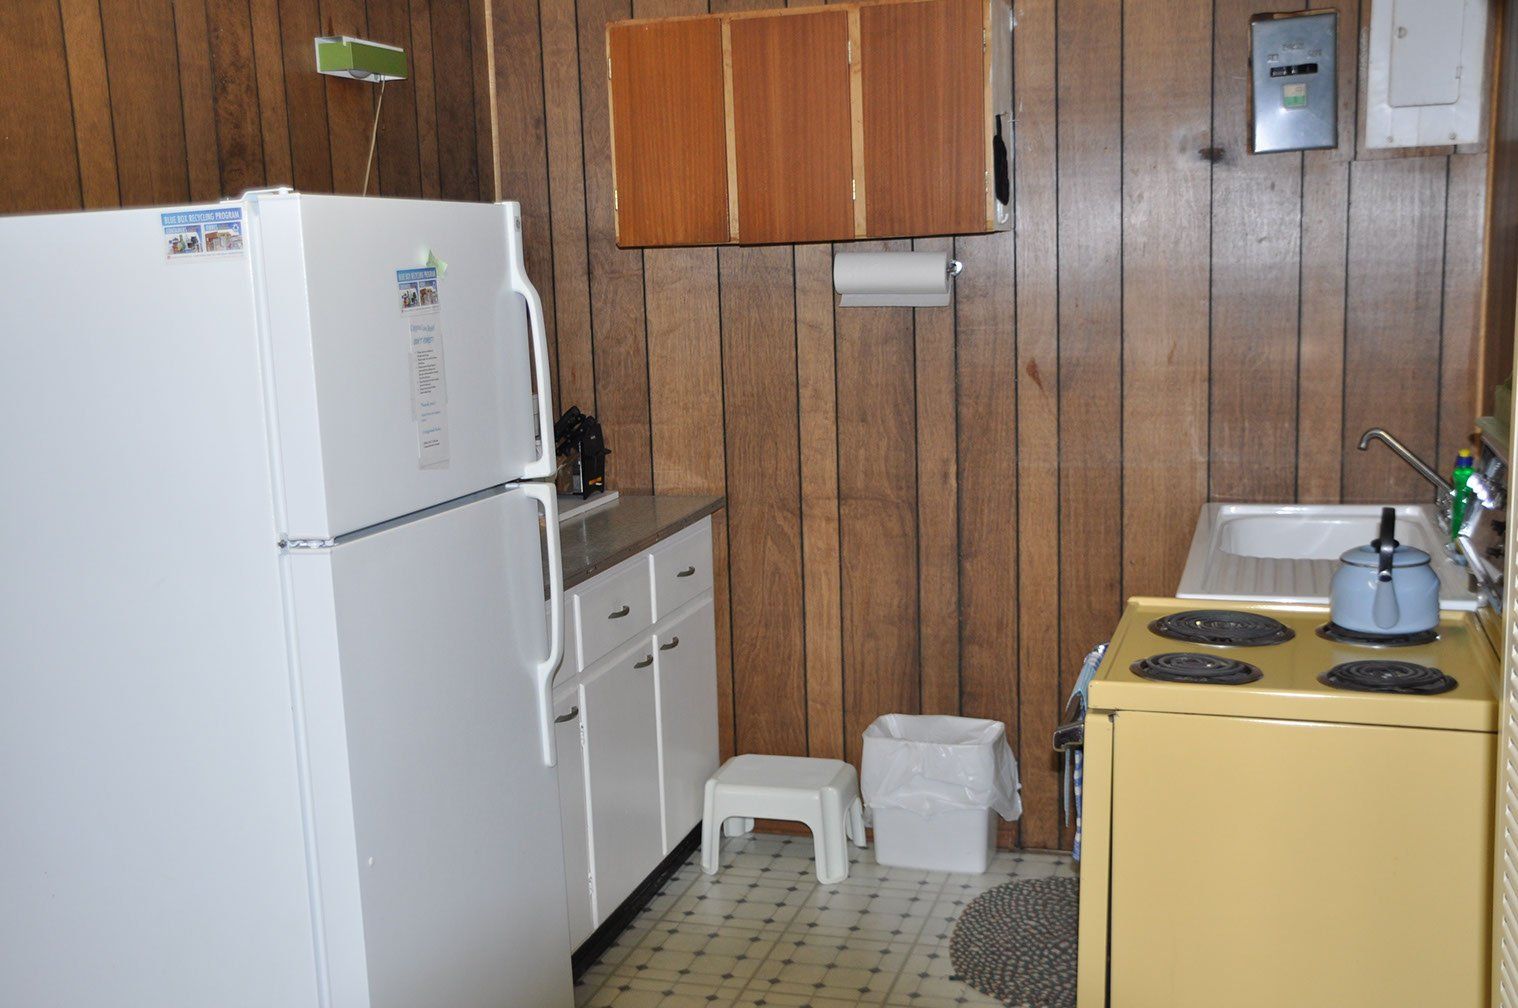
(926, 147)
(855, 120)
(669, 132)
(792, 130)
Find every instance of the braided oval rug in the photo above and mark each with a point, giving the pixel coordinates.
(1016, 943)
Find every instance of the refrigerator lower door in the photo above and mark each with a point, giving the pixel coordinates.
(435, 824)
(390, 394)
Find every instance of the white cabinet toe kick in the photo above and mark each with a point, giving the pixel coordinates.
(636, 707)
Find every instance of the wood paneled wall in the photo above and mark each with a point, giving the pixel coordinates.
(134, 102)
(933, 510)
(940, 510)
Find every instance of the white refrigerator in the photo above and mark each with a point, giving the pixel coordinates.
(277, 634)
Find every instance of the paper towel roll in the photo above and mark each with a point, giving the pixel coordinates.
(918, 279)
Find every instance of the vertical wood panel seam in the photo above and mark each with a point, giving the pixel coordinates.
(1443, 295)
(284, 86)
(732, 678)
(1349, 243)
(73, 116)
(959, 609)
(211, 66)
(553, 260)
(184, 126)
(1212, 216)
(801, 523)
(648, 371)
(105, 57)
(590, 301)
(1296, 448)
(474, 104)
(1059, 512)
(1122, 294)
(843, 651)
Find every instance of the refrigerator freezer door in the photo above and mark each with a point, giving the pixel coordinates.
(154, 850)
(440, 869)
(387, 401)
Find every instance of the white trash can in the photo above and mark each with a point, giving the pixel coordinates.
(935, 785)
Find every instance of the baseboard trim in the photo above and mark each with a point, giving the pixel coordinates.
(601, 939)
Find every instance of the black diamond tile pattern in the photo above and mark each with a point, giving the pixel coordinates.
(763, 933)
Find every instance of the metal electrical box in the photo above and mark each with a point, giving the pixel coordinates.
(1293, 78)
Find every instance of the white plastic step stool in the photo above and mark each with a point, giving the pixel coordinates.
(822, 793)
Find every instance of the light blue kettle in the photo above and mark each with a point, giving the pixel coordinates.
(1385, 588)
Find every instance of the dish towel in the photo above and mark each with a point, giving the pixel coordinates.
(1074, 760)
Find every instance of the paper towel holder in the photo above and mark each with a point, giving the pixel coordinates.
(917, 279)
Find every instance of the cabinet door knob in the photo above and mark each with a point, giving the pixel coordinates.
(619, 613)
(645, 663)
(674, 642)
(687, 572)
(574, 712)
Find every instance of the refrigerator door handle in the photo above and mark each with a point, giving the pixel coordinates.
(546, 463)
(547, 497)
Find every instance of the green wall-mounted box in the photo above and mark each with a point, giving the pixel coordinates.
(360, 59)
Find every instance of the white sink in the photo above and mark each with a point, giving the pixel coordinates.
(1289, 552)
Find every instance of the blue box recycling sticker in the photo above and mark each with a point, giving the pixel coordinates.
(202, 234)
(418, 288)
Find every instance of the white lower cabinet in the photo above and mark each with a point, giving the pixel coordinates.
(574, 812)
(637, 721)
(687, 663)
(622, 771)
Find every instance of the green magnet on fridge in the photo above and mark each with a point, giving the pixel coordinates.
(436, 263)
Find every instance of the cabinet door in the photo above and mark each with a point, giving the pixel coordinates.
(792, 127)
(574, 820)
(925, 119)
(622, 771)
(687, 662)
(669, 133)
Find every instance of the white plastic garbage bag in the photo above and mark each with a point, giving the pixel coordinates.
(930, 763)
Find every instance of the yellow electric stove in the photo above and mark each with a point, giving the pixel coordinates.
(1265, 826)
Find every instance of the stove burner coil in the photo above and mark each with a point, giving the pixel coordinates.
(1222, 627)
(1382, 675)
(1185, 667)
(1342, 635)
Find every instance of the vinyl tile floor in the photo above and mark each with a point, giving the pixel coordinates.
(763, 932)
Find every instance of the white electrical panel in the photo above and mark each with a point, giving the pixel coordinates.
(1426, 71)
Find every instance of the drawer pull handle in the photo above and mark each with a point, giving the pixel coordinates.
(687, 572)
(619, 613)
(674, 642)
(574, 712)
(645, 663)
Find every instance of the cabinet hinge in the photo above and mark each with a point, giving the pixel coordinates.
(985, 39)
(850, 47)
(608, 66)
(853, 190)
(615, 205)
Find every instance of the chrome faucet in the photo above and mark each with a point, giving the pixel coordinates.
(1422, 468)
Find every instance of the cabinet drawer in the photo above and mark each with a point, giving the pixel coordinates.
(609, 612)
(682, 568)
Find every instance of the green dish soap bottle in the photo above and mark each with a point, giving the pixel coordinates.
(1461, 498)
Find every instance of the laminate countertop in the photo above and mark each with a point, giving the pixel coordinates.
(629, 525)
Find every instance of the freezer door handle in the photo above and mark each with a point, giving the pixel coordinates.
(547, 497)
(546, 463)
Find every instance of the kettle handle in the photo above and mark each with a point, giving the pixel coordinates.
(1386, 545)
